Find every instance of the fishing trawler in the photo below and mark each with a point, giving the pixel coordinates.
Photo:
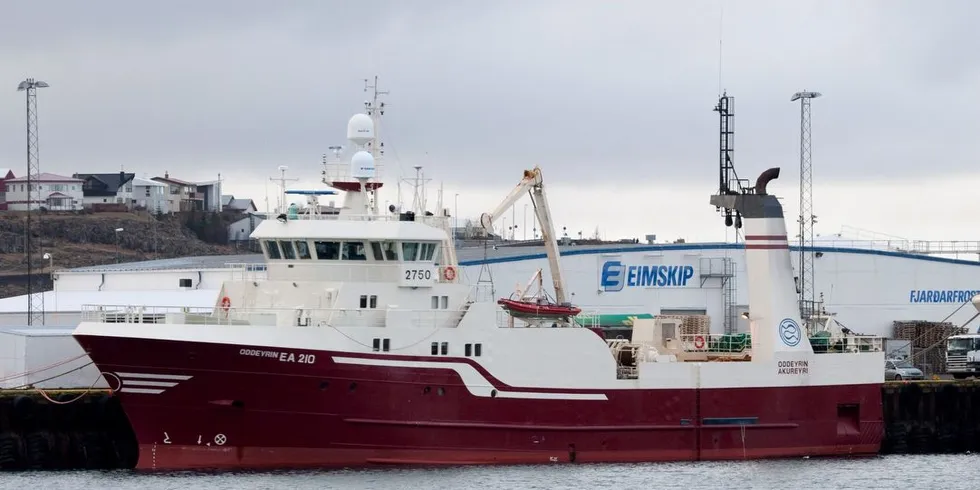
(362, 346)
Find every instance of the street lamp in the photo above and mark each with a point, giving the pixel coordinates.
(117, 243)
(50, 260)
(455, 215)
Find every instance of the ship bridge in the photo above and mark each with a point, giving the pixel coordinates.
(361, 248)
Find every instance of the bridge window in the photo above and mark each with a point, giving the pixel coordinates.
(353, 251)
(427, 251)
(410, 251)
(477, 350)
(468, 350)
(384, 251)
(444, 348)
(327, 250)
(287, 250)
(376, 250)
(302, 249)
(272, 249)
(435, 349)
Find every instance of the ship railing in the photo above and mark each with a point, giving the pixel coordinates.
(850, 343)
(741, 342)
(506, 320)
(924, 247)
(716, 343)
(248, 271)
(437, 221)
(277, 317)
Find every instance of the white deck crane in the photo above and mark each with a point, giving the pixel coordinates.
(533, 184)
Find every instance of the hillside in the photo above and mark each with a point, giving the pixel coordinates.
(82, 239)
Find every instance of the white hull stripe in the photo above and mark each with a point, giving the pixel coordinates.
(144, 391)
(178, 377)
(139, 382)
(475, 382)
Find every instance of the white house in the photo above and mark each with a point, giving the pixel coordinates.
(57, 193)
(240, 230)
(151, 195)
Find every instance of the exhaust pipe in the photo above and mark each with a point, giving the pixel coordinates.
(764, 179)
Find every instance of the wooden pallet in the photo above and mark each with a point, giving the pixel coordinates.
(927, 335)
(691, 324)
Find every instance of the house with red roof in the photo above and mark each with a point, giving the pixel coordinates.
(54, 193)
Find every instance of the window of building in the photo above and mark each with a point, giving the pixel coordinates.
(272, 250)
(353, 251)
(287, 250)
(327, 250)
(410, 251)
(302, 249)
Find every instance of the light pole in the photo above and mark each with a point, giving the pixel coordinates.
(117, 243)
(50, 260)
(455, 215)
(35, 294)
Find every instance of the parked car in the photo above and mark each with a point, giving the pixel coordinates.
(899, 369)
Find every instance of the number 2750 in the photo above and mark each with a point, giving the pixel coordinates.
(418, 274)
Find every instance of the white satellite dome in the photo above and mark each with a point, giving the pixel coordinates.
(362, 165)
(360, 129)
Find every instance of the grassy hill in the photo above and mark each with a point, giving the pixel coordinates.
(86, 239)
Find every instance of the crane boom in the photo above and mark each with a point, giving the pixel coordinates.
(533, 184)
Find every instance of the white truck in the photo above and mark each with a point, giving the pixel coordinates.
(963, 355)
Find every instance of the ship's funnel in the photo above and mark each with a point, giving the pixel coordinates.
(774, 312)
(764, 179)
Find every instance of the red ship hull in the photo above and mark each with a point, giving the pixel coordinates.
(525, 309)
(238, 411)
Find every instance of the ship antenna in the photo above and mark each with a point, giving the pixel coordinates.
(375, 109)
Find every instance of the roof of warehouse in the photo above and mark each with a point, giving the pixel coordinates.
(70, 301)
(38, 331)
(195, 262)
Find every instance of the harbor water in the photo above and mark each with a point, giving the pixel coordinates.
(886, 472)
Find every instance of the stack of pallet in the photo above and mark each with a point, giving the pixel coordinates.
(692, 324)
(928, 341)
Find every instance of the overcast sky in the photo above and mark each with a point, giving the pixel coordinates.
(613, 99)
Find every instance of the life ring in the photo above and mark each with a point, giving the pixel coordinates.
(225, 303)
(699, 342)
(449, 273)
